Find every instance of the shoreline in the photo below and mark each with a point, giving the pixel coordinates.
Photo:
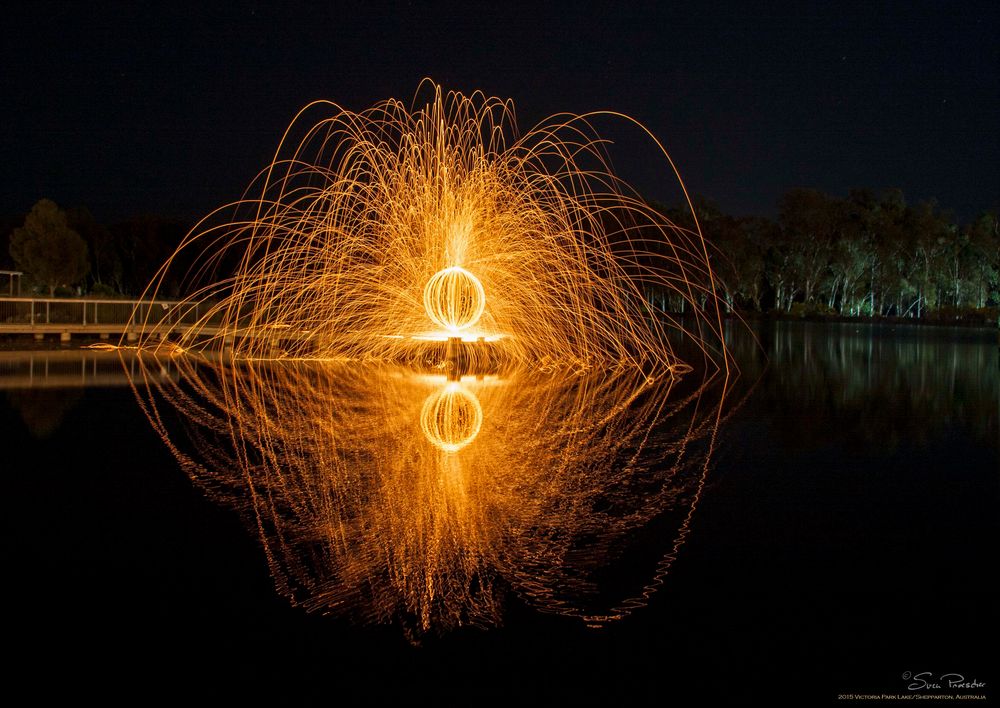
(764, 318)
(27, 343)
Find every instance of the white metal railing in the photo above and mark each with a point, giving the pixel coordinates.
(12, 277)
(35, 312)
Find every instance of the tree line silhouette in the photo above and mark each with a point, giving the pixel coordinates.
(868, 255)
(864, 255)
(68, 252)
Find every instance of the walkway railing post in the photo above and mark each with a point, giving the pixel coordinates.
(139, 314)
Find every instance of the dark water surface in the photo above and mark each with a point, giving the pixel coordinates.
(846, 535)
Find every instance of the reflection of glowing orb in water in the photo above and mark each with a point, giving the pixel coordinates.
(454, 298)
(451, 418)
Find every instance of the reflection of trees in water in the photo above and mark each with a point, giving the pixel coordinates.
(43, 410)
(879, 387)
(363, 511)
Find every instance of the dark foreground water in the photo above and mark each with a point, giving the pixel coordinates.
(845, 537)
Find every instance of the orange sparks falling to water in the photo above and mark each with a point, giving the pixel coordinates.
(393, 225)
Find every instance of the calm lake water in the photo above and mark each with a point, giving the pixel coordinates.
(843, 533)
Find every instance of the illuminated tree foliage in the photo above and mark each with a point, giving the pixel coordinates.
(863, 255)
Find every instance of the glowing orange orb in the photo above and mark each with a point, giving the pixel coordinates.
(451, 418)
(454, 298)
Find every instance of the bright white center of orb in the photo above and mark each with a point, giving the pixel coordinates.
(454, 298)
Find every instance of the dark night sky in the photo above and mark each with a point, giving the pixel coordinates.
(173, 110)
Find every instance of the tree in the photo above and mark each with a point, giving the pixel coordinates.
(810, 221)
(930, 230)
(743, 244)
(106, 267)
(143, 244)
(850, 263)
(48, 249)
(984, 239)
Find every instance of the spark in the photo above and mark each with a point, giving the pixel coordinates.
(377, 229)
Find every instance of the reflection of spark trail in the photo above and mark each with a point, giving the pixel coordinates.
(392, 496)
(368, 229)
